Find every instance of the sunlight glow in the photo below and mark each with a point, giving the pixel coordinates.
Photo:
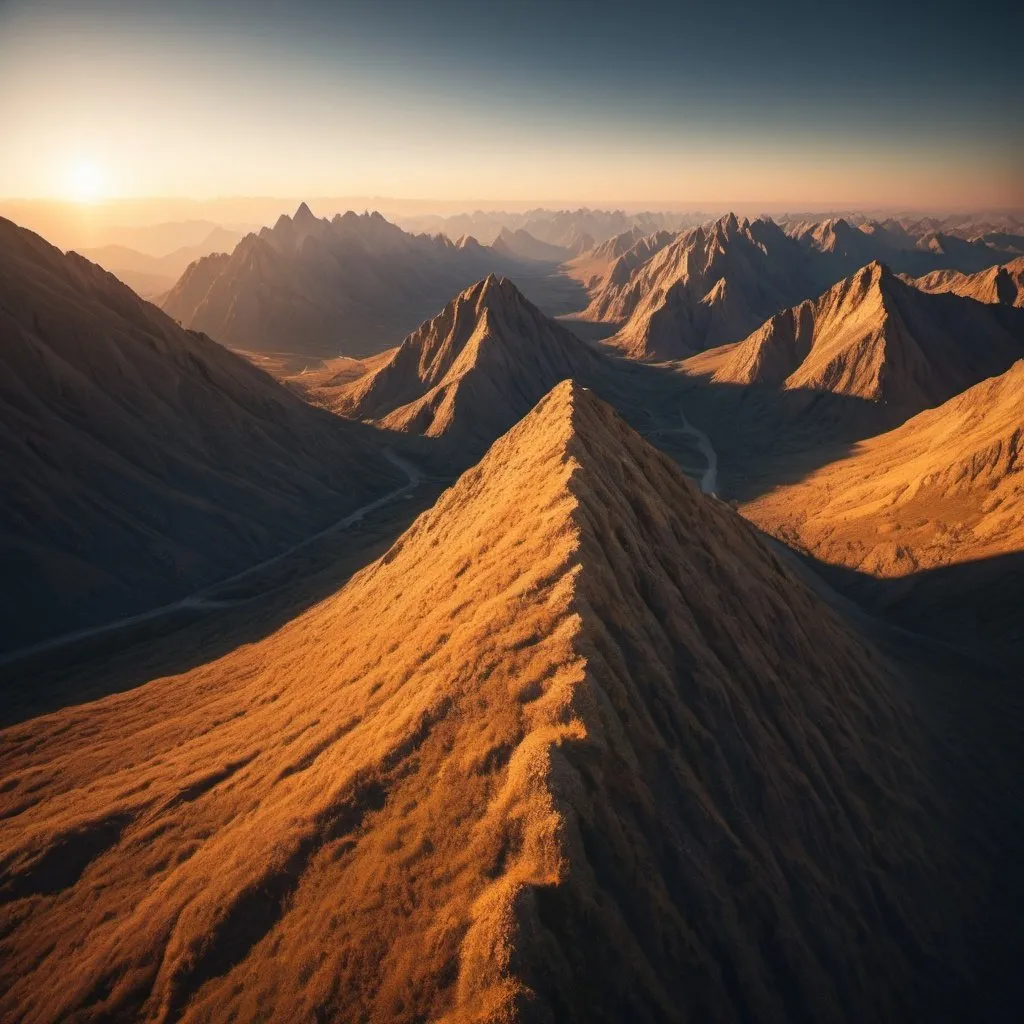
(86, 181)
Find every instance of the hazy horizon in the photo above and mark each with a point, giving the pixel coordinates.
(666, 108)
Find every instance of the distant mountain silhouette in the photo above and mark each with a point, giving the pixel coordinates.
(349, 286)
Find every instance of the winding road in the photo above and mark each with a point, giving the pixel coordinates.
(201, 599)
(709, 481)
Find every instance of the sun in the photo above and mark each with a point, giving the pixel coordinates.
(86, 181)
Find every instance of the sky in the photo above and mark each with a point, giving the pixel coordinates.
(790, 105)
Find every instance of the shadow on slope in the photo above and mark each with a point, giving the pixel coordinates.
(764, 436)
(225, 616)
(956, 635)
(550, 289)
(975, 606)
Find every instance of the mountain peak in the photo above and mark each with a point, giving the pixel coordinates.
(474, 369)
(303, 214)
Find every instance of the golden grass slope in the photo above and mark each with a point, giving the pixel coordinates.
(947, 486)
(577, 748)
(874, 337)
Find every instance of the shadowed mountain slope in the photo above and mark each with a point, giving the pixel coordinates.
(139, 460)
(349, 286)
(577, 748)
(874, 337)
(481, 364)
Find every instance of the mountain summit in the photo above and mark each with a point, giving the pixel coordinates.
(710, 286)
(474, 369)
(872, 336)
(350, 285)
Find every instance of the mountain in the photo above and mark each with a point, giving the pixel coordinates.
(1003, 284)
(578, 747)
(149, 276)
(474, 369)
(946, 486)
(609, 266)
(139, 460)
(908, 246)
(707, 287)
(349, 286)
(521, 244)
(874, 337)
(846, 247)
(924, 525)
(574, 230)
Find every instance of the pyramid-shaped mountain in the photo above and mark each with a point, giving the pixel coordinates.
(874, 337)
(577, 747)
(474, 369)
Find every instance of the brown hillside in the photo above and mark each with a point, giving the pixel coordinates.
(139, 461)
(576, 748)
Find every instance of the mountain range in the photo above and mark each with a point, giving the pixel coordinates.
(352, 285)
(673, 295)
(872, 336)
(1003, 283)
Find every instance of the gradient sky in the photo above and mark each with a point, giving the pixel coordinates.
(798, 104)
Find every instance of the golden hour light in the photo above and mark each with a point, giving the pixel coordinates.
(511, 513)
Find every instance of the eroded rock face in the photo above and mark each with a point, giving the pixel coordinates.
(473, 370)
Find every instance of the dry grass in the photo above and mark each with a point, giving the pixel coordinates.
(945, 487)
(577, 748)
